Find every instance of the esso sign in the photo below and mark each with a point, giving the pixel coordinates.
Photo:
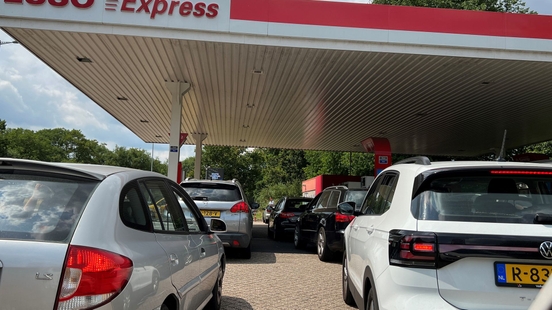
(81, 4)
(150, 7)
(184, 8)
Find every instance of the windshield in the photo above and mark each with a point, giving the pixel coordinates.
(212, 191)
(40, 208)
(514, 197)
(356, 196)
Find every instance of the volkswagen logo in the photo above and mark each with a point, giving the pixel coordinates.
(546, 249)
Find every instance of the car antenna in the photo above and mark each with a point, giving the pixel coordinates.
(501, 154)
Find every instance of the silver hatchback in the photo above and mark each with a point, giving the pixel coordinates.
(85, 237)
(225, 200)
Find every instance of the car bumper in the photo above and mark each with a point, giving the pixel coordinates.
(229, 240)
(410, 289)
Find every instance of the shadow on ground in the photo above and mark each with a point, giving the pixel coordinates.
(234, 303)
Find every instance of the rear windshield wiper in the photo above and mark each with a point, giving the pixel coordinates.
(541, 218)
(200, 198)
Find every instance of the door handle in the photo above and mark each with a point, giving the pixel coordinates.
(355, 227)
(202, 253)
(173, 258)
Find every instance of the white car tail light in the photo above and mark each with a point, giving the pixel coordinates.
(92, 277)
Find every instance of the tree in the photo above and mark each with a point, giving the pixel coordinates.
(3, 140)
(512, 6)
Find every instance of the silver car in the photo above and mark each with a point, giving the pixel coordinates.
(79, 236)
(225, 200)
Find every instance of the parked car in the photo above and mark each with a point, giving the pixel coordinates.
(282, 219)
(266, 213)
(225, 200)
(85, 237)
(450, 235)
(322, 224)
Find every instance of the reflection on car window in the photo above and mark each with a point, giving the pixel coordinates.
(131, 209)
(39, 208)
(380, 196)
(334, 199)
(323, 201)
(191, 218)
(158, 197)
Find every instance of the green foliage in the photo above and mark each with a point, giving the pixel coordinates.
(512, 6)
(277, 191)
(3, 140)
(188, 166)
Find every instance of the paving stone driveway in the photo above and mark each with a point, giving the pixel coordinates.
(279, 277)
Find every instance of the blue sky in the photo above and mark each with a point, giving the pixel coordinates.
(33, 96)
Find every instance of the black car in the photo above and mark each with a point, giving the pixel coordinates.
(284, 215)
(322, 224)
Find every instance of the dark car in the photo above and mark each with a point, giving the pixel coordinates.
(284, 215)
(322, 224)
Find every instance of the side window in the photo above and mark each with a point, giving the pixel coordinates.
(324, 199)
(131, 210)
(192, 220)
(381, 196)
(161, 202)
(334, 199)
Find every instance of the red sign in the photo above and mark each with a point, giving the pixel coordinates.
(183, 137)
(82, 4)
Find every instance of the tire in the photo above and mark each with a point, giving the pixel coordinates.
(372, 300)
(216, 301)
(324, 253)
(246, 253)
(298, 242)
(347, 295)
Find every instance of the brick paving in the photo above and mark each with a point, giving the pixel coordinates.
(279, 277)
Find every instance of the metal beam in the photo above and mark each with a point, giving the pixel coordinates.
(177, 89)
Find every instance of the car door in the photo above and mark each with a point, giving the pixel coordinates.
(307, 217)
(171, 232)
(201, 241)
(365, 241)
(313, 219)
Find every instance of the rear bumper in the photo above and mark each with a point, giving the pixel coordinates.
(410, 289)
(228, 240)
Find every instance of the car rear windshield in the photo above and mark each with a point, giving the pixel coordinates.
(41, 208)
(212, 191)
(498, 196)
(296, 205)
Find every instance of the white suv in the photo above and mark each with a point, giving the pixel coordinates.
(450, 235)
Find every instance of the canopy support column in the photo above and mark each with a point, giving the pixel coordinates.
(198, 137)
(177, 89)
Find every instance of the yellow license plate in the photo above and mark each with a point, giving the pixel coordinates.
(521, 275)
(210, 213)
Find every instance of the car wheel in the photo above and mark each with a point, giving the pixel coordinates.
(372, 300)
(246, 253)
(155, 283)
(297, 241)
(347, 296)
(216, 301)
(324, 253)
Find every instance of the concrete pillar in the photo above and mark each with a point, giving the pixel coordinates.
(198, 137)
(177, 89)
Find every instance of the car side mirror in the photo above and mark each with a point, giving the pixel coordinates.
(254, 206)
(346, 208)
(217, 225)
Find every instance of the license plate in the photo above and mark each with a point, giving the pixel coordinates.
(210, 213)
(521, 275)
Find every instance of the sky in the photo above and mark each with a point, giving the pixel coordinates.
(32, 96)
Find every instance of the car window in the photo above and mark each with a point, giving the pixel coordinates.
(324, 199)
(380, 195)
(334, 199)
(41, 208)
(356, 196)
(131, 210)
(212, 191)
(192, 218)
(160, 200)
(296, 205)
(481, 196)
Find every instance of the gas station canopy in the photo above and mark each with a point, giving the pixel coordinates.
(301, 74)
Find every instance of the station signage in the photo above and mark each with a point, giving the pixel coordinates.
(150, 7)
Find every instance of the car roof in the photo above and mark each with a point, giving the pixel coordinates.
(420, 168)
(231, 182)
(98, 172)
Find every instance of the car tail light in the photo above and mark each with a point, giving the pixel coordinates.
(286, 215)
(412, 249)
(268, 210)
(92, 277)
(240, 207)
(342, 218)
